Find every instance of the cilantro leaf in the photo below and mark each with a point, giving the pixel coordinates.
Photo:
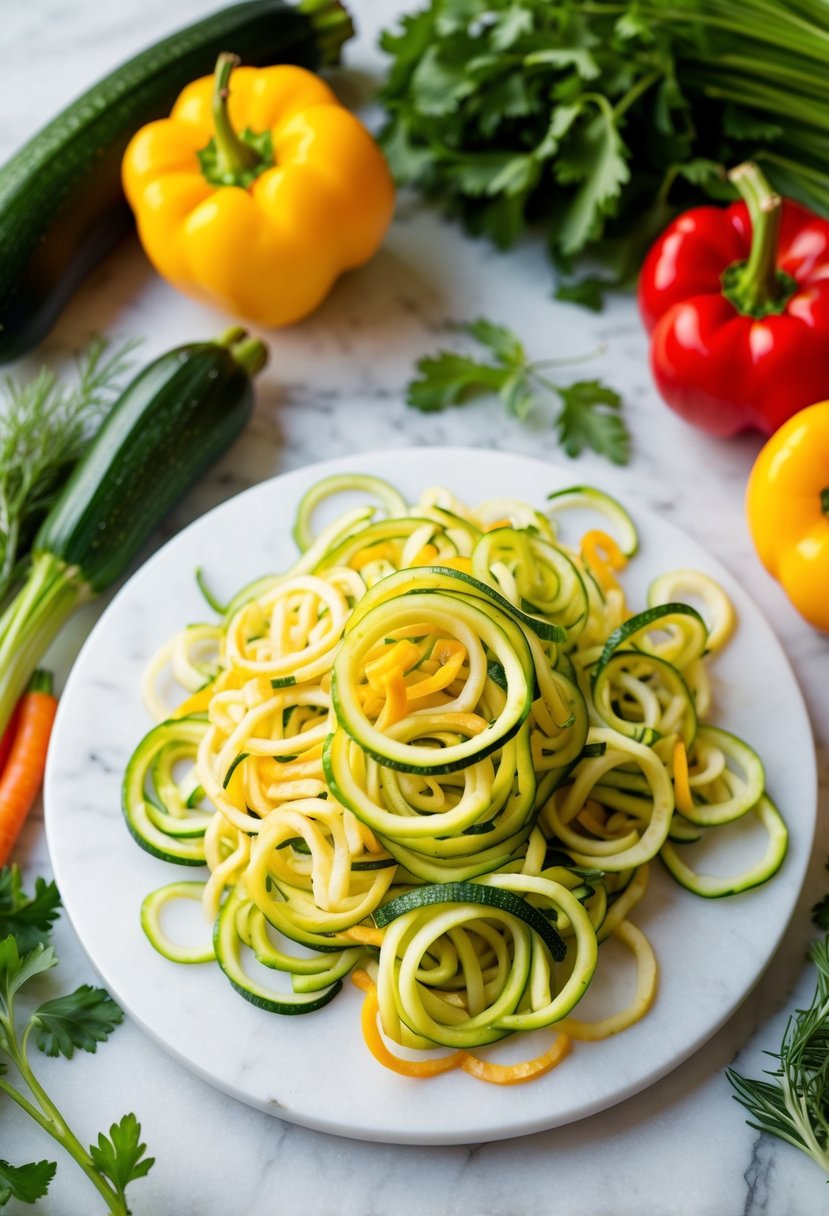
(17, 969)
(82, 1018)
(408, 162)
(25, 1182)
(450, 379)
(589, 415)
(120, 1157)
(407, 48)
(27, 918)
(511, 26)
(439, 86)
(504, 344)
(596, 158)
(589, 292)
(742, 124)
(590, 419)
(562, 57)
(517, 394)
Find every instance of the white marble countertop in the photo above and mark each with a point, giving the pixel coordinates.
(334, 385)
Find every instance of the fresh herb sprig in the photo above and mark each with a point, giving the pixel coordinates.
(78, 1020)
(793, 1104)
(589, 416)
(45, 426)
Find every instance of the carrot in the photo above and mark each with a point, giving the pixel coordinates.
(23, 772)
(429, 1067)
(433, 1066)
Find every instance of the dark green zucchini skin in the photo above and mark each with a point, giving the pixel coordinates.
(170, 424)
(61, 203)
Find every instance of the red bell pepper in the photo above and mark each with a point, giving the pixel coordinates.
(737, 303)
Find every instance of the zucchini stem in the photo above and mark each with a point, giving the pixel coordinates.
(249, 353)
(332, 25)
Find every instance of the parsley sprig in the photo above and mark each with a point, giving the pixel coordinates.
(59, 1025)
(589, 416)
(793, 1104)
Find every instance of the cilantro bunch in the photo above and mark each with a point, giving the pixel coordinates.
(58, 1025)
(593, 120)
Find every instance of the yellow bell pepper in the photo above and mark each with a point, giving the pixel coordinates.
(256, 194)
(787, 506)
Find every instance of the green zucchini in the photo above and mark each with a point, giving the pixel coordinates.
(474, 893)
(61, 203)
(153, 909)
(169, 425)
(342, 483)
(229, 955)
(177, 838)
(712, 886)
(496, 631)
(589, 498)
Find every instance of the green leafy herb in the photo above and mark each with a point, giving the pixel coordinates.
(589, 417)
(81, 1019)
(794, 1104)
(597, 121)
(589, 292)
(28, 918)
(121, 1156)
(25, 1182)
(45, 427)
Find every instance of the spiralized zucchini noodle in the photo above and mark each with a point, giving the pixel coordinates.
(440, 754)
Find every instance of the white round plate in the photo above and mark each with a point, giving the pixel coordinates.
(315, 1070)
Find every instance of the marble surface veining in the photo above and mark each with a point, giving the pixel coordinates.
(334, 385)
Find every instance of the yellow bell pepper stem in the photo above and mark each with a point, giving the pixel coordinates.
(234, 157)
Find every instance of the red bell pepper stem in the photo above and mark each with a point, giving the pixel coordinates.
(757, 287)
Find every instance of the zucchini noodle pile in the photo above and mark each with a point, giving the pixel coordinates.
(439, 753)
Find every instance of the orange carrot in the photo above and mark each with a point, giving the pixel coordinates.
(429, 1067)
(433, 1066)
(23, 772)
